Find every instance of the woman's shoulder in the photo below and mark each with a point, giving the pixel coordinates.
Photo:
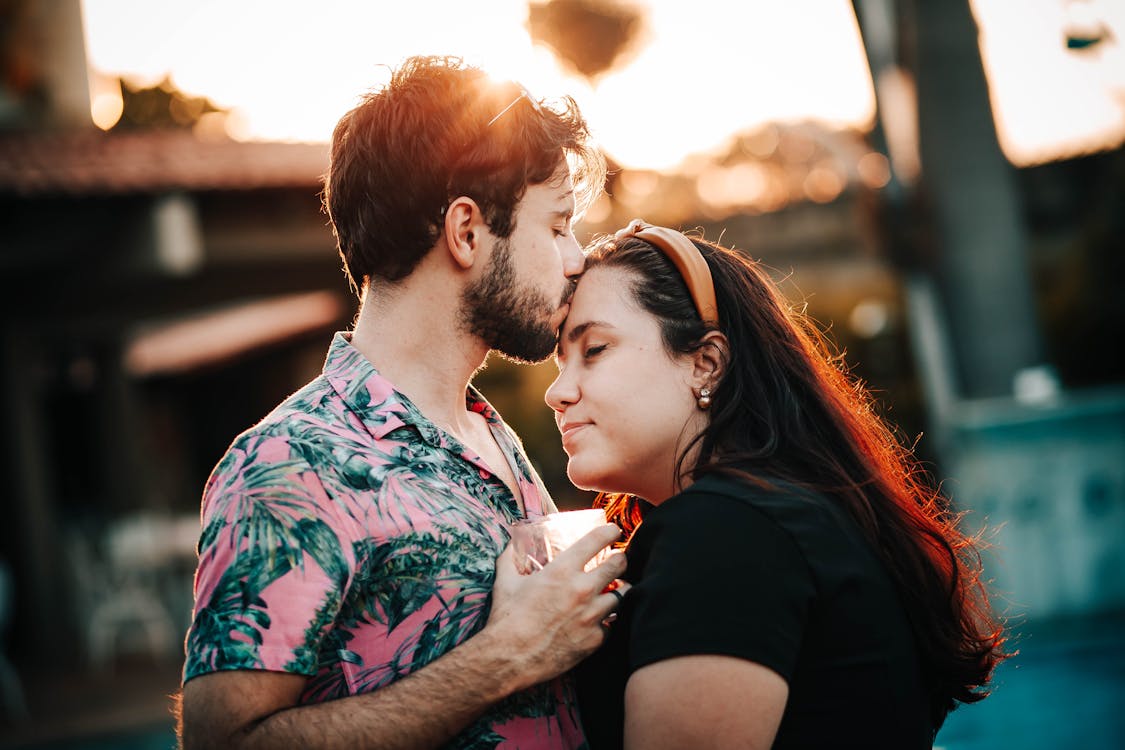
(716, 525)
(721, 511)
(718, 504)
(726, 495)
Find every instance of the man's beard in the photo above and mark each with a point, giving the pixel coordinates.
(510, 320)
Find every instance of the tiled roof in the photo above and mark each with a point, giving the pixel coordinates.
(96, 163)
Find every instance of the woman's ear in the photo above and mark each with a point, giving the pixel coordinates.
(710, 360)
(462, 219)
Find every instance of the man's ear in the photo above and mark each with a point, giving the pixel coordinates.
(462, 228)
(710, 360)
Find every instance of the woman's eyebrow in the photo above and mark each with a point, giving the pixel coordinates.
(576, 333)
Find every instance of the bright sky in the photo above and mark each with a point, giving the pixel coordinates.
(291, 68)
(1050, 101)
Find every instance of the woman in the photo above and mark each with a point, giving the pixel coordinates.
(796, 582)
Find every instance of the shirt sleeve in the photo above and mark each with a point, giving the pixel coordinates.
(274, 563)
(715, 575)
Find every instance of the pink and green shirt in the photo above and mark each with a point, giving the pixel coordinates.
(349, 539)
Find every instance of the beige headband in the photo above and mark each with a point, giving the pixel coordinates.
(688, 261)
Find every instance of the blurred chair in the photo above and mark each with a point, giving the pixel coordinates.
(139, 558)
(12, 700)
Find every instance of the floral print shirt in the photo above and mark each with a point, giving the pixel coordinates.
(349, 539)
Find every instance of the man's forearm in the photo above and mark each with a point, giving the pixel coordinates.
(423, 710)
(538, 627)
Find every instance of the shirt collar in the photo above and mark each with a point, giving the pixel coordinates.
(377, 403)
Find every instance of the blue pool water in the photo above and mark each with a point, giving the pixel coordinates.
(1064, 689)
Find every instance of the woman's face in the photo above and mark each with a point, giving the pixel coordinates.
(624, 406)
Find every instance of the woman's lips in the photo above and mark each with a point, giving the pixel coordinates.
(570, 429)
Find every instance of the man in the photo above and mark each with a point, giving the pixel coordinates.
(350, 539)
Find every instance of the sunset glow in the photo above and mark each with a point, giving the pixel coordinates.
(292, 68)
(705, 70)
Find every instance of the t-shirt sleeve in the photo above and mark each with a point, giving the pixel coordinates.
(274, 563)
(715, 575)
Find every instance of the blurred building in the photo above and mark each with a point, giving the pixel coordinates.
(164, 290)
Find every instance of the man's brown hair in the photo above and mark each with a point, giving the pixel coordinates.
(438, 130)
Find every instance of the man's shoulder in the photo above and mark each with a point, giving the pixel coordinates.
(316, 429)
(292, 456)
(300, 431)
(316, 404)
(317, 399)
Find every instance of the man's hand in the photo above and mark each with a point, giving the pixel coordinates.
(552, 619)
(540, 626)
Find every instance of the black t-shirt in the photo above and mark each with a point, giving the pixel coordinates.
(783, 579)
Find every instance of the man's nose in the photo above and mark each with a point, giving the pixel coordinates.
(574, 260)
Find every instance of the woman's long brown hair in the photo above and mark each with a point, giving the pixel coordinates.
(785, 409)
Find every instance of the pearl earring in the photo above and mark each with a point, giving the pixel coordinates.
(704, 399)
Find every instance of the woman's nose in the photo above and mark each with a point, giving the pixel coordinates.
(561, 393)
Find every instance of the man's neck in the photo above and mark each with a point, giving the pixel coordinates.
(413, 338)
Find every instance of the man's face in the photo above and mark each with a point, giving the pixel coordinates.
(519, 301)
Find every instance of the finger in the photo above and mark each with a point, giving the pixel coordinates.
(609, 569)
(620, 585)
(581, 552)
(610, 601)
(607, 624)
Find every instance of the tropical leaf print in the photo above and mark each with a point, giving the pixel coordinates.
(308, 652)
(330, 682)
(226, 632)
(271, 521)
(349, 539)
(480, 736)
(399, 586)
(393, 582)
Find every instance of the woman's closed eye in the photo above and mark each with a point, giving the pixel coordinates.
(592, 351)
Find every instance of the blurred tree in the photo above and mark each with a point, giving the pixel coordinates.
(590, 36)
(161, 106)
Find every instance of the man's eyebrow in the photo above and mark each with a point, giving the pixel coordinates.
(568, 198)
